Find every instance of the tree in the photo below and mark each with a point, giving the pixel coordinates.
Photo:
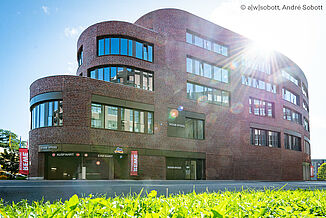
(9, 161)
(4, 139)
(321, 175)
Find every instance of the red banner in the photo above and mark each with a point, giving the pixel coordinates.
(134, 163)
(23, 161)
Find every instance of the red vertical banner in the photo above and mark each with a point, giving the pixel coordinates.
(311, 171)
(23, 161)
(134, 163)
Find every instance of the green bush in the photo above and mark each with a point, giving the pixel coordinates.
(322, 172)
(268, 203)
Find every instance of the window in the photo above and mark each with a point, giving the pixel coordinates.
(306, 147)
(259, 84)
(97, 116)
(47, 114)
(123, 46)
(261, 108)
(123, 119)
(306, 124)
(111, 117)
(292, 115)
(290, 97)
(265, 138)
(206, 44)
(290, 77)
(214, 96)
(304, 90)
(255, 63)
(194, 128)
(292, 142)
(207, 70)
(305, 105)
(80, 57)
(124, 75)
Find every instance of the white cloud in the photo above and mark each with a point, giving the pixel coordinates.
(46, 9)
(72, 32)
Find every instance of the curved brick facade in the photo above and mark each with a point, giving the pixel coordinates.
(226, 151)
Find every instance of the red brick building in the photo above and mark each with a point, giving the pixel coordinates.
(172, 96)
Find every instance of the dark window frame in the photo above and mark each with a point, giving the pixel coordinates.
(263, 139)
(252, 107)
(134, 40)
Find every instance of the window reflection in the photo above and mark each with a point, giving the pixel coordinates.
(124, 75)
(47, 114)
(122, 46)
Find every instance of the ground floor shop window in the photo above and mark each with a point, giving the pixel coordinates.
(185, 169)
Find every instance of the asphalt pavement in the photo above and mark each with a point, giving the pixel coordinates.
(35, 190)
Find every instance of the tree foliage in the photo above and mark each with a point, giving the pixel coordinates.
(322, 172)
(9, 161)
(4, 139)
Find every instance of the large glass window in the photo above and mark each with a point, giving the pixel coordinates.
(290, 97)
(207, 70)
(207, 44)
(203, 93)
(265, 138)
(194, 128)
(292, 115)
(259, 84)
(261, 108)
(255, 63)
(290, 77)
(47, 114)
(123, 119)
(124, 75)
(292, 142)
(123, 46)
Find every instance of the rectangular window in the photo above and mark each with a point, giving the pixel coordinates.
(130, 47)
(111, 117)
(261, 108)
(189, 38)
(214, 96)
(306, 124)
(115, 46)
(189, 65)
(124, 46)
(290, 97)
(292, 142)
(150, 53)
(305, 106)
(100, 47)
(127, 119)
(199, 41)
(150, 123)
(194, 129)
(265, 138)
(304, 90)
(97, 116)
(290, 77)
(114, 74)
(207, 70)
(259, 84)
(292, 115)
(107, 74)
(93, 74)
(139, 121)
(139, 50)
(306, 147)
(107, 46)
(100, 74)
(145, 53)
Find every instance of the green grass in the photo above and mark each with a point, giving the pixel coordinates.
(268, 203)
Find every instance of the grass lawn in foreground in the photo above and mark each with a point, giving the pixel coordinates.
(268, 203)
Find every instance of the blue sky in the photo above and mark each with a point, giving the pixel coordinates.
(38, 38)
